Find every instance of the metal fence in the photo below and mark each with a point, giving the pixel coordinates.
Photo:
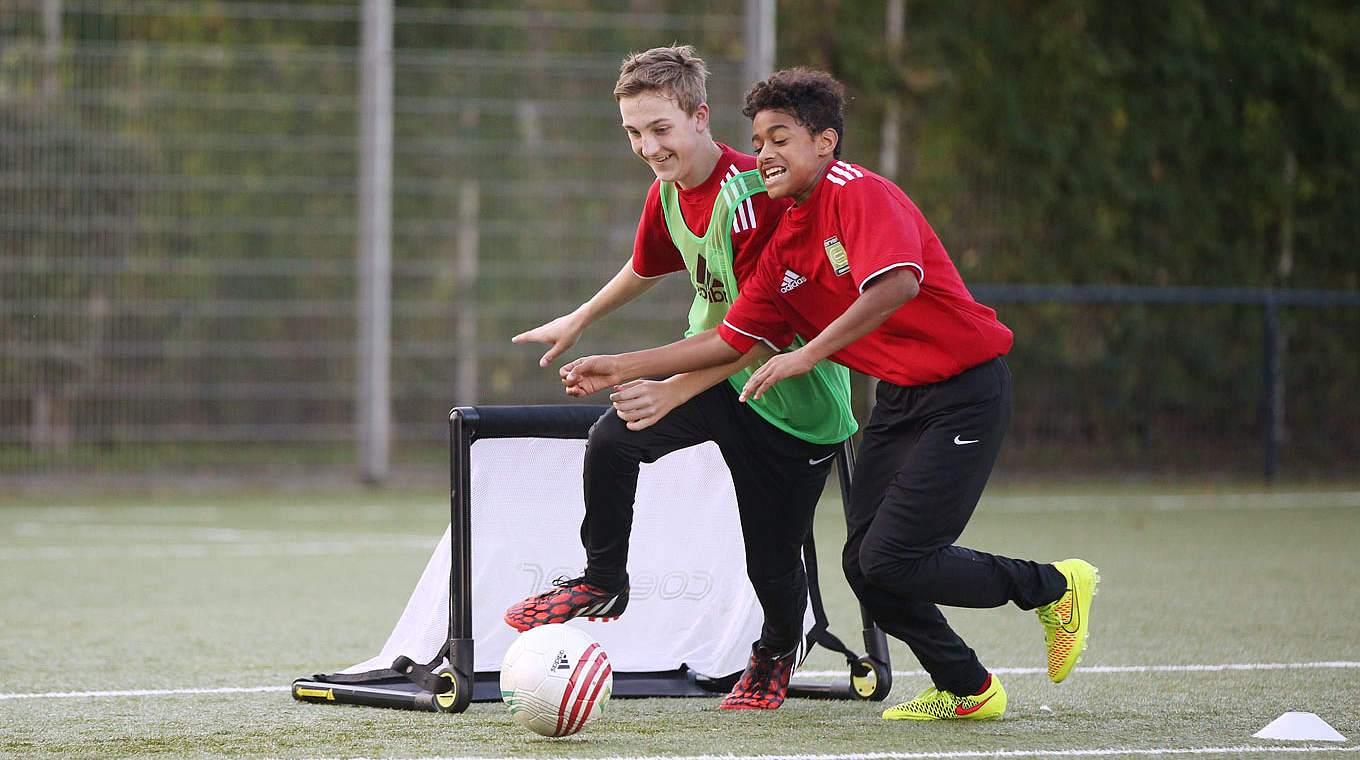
(178, 219)
(1167, 381)
(179, 286)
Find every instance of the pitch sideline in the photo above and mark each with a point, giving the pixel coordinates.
(1106, 669)
(981, 754)
(1130, 668)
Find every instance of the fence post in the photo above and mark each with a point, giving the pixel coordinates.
(51, 49)
(760, 39)
(1272, 387)
(465, 371)
(374, 392)
(895, 34)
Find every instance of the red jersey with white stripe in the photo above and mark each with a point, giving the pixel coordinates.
(654, 254)
(856, 226)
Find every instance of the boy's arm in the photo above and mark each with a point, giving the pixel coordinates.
(882, 296)
(587, 375)
(640, 403)
(563, 332)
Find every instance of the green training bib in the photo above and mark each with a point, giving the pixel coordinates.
(814, 406)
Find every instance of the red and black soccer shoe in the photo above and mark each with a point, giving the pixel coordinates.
(764, 682)
(572, 598)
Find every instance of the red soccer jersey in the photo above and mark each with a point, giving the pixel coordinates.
(856, 226)
(654, 254)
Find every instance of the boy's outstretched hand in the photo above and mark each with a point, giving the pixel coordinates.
(641, 403)
(589, 374)
(561, 333)
(779, 367)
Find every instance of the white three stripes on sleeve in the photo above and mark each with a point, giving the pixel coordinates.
(745, 216)
(841, 172)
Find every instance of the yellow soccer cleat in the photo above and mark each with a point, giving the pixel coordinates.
(1067, 620)
(934, 704)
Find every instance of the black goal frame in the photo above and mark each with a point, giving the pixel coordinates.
(427, 686)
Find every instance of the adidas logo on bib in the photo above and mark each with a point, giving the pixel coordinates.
(791, 280)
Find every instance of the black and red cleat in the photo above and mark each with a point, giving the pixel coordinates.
(764, 682)
(572, 598)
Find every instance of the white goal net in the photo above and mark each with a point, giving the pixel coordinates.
(691, 603)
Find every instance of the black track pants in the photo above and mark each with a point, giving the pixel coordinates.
(778, 480)
(925, 457)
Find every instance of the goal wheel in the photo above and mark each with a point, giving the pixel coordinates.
(870, 679)
(458, 696)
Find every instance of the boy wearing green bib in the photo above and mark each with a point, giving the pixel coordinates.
(707, 214)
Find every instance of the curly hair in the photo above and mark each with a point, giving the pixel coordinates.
(813, 98)
(675, 72)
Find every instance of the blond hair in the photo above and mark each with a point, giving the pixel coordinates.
(675, 72)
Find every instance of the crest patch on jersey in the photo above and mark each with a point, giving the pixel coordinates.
(835, 253)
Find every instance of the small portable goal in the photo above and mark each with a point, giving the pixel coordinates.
(515, 511)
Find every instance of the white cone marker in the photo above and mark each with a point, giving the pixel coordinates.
(1300, 726)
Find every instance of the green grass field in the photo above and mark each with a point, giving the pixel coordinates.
(171, 627)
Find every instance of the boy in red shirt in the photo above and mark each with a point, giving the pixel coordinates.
(855, 265)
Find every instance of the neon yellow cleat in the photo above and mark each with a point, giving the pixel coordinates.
(933, 704)
(1067, 620)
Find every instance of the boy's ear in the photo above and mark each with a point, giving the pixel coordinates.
(701, 117)
(826, 141)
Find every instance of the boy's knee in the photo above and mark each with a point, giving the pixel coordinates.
(607, 431)
(876, 569)
(887, 569)
(610, 441)
(854, 575)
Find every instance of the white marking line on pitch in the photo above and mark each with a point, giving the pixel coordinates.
(195, 551)
(1189, 502)
(1001, 753)
(813, 673)
(1129, 668)
(142, 692)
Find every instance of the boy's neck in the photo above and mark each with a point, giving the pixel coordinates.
(706, 160)
(799, 200)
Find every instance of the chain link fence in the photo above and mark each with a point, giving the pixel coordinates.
(178, 231)
(178, 278)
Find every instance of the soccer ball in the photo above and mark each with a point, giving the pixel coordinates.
(555, 679)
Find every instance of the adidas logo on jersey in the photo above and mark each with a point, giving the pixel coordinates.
(791, 280)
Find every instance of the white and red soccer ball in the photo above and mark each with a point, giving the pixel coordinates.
(555, 679)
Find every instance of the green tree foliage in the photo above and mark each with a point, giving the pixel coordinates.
(1161, 143)
(1188, 143)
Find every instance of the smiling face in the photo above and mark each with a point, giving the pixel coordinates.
(791, 158)
(675, 144)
